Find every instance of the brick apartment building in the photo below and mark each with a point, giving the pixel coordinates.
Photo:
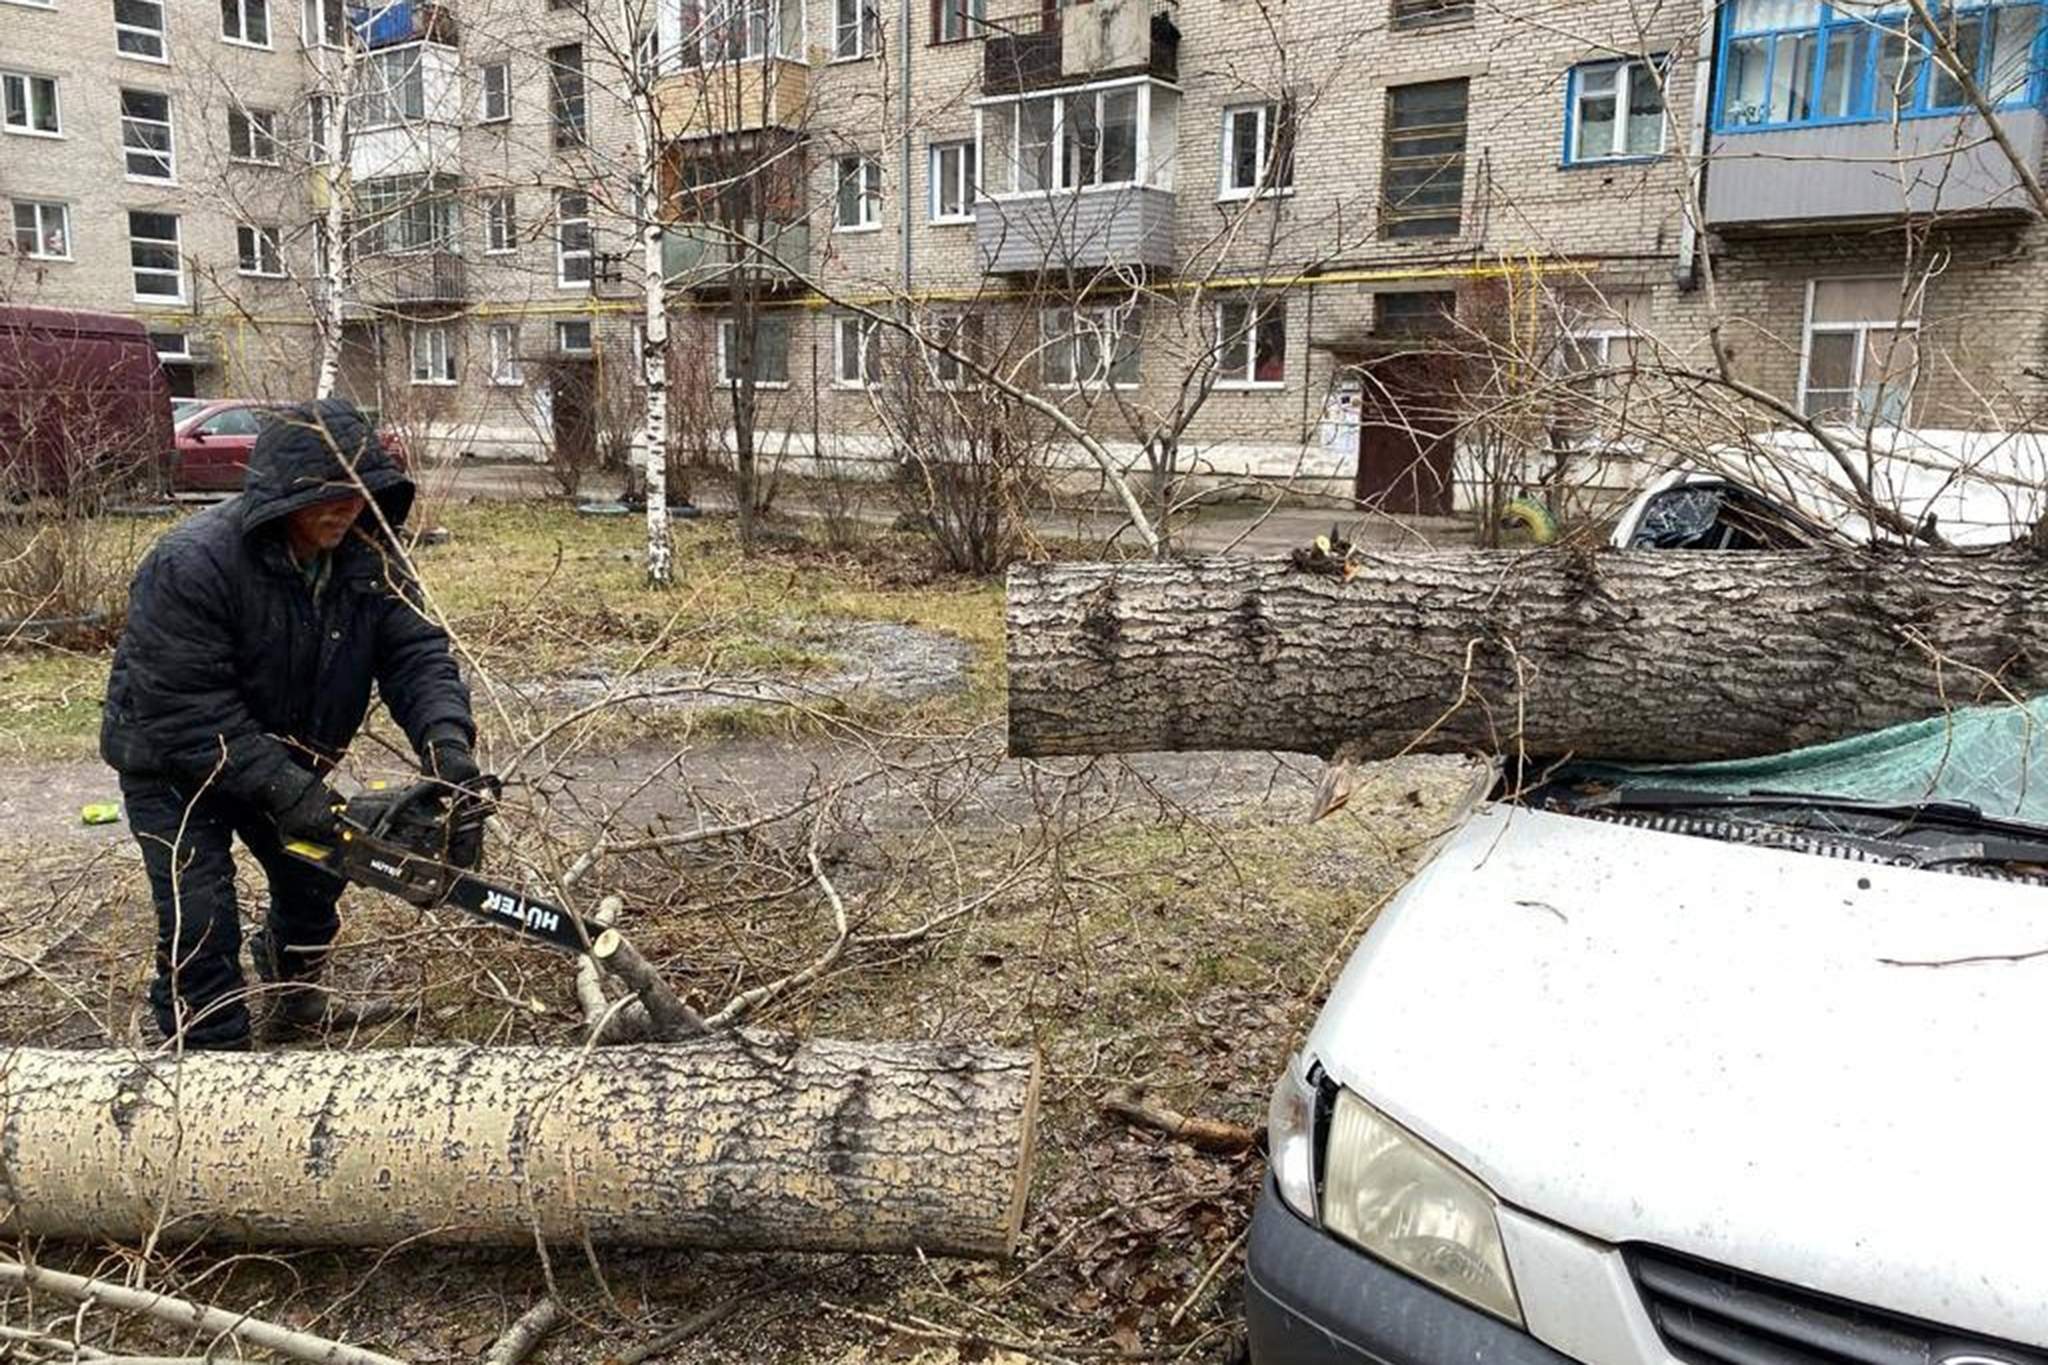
(1225, 221)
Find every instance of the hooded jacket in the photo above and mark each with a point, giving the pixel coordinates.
(232, 675)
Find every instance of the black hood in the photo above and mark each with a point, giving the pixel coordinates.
(312, 452)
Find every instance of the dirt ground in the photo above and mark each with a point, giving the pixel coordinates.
(1169, 923)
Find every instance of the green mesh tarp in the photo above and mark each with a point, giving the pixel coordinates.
(1993, 757)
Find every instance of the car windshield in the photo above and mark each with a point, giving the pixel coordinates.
(1991, 760)
(182, 408)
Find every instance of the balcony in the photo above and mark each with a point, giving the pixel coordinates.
(762, 92)
(1112, 227)
(1037, 50)
(402, 21)
(414, 277)
(1821, 178)
(702, 257)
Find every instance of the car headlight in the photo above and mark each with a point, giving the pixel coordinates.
(1291, 1139)
(1387, 1191)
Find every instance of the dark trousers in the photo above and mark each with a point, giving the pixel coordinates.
(187, 847)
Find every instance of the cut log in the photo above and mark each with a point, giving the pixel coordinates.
(741, 1142)
(1628, 657)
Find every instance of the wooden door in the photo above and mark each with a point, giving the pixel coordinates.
(1405, 441)
(575, 417)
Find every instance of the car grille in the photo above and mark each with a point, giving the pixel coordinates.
(1712, 1315)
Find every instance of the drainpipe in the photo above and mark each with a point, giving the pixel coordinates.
(903, 79)
(1702, 105)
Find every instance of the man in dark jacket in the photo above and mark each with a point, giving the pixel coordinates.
(255, 632)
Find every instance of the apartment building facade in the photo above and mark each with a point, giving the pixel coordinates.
(1242, 231)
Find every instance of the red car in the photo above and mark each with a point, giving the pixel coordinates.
(216, 435)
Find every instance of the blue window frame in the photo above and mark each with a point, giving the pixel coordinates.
(1802, 63)
(1614, 111)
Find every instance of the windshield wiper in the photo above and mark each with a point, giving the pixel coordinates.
(1942, 814)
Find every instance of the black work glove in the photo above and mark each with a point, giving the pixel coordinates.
(449, 760)
(314, 817)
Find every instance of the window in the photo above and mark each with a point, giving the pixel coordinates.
(856, 29)
(245, 21)
(433, 354)
(1595, 358)
(497, 92)
(637, 359)
(399, 213)
(952, 177)
(573, 338)
(320, 23)
(1793, 62)
(572, 239)
(139, 29)
(505, 367)
(42, 232)
(857, 352)
(1616, 112)
(236, 422)
(565, 94)
(739, 30)
(501, 225)
(1862, 352)
(767, 359)
(958, 19)
(1251, 345)
(146, 134)
(1416, 13)
(959, 334)
(1089, 346)
(391, 88)
(252, 136)
(1415, 313)
(319, 149)
(153, 255)
(257, 251)
(1068, 142)
(1258, 149)
(859, 195)
(171, 345)
(1423, 190)
(30, 104)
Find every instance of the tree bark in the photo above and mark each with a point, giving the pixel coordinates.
(748, 1142)
(1626, 657)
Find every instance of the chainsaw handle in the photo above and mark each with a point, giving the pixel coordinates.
(427, 793)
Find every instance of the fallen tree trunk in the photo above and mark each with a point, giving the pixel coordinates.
(1628, 657)
(746, 1142)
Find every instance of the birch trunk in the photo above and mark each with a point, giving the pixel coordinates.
(654, 357)
(331, 171)
(1628, 657)
(747, 1142)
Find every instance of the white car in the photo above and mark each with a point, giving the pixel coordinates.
(1636, 1071)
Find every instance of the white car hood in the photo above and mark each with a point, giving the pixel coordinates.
(1648, 1037)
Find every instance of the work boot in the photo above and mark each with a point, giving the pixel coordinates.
(301, 1008)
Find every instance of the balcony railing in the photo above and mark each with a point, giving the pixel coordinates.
(1040, 48)
(768, 92)
(706, 257)
(411, 277)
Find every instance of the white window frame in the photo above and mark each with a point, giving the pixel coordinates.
(501, 224)
(1273, 117)
(562, 327)
(1107, 325)
(182, 351)
(1255, 313)
(504, 113)
(564, 256)
(1861, 332)
(727, 331)
(250, 241)
(169, 123)
(40, 211)
(27, 80)
(956, 332)
(1011, 111)
(161, 34)
(243, 9)
(255, 121)
(439, 369)
(379, 101)
(970, 15)
(868, 334)
(963, 179)
(703, 32)
(1627, 70)
(860, 40)
(313, 23)
(868, 199)
(506, 371)
(320, 129)
(31, 4)
(175, 242)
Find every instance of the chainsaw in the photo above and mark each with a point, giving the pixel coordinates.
(397, 840)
